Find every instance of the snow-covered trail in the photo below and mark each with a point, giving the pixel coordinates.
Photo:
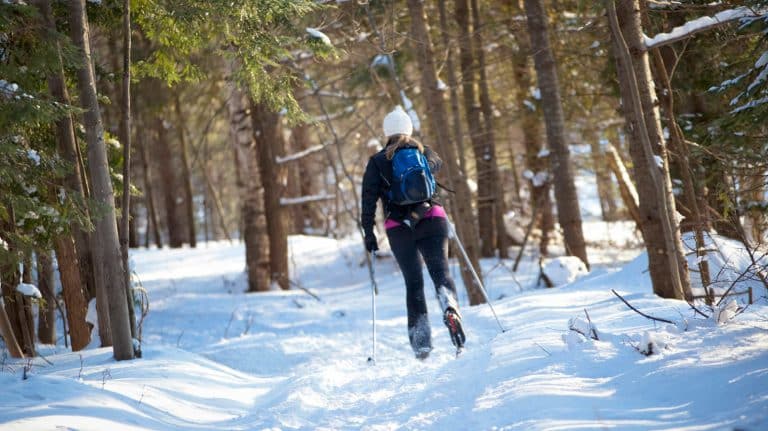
(216, 358)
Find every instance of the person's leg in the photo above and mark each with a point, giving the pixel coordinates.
(403, 245)
(432, 242)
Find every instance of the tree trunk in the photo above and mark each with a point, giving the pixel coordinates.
(298, 177)
(268, 136)
(530, 123)
(71, 289)
(18, 307)
(495, 192)
(568, 212)
(626, 186)
(153, 225)
(125, 126)
(186, 178)
(165, 165)
(6, 330)
(107, 254)
(460, 206)
(67, 148)
(605, 186)
(666, 262)
(254, 224)
(477, 135)
(453, 86)
(752, 192)
(690, 192)
(46, 315)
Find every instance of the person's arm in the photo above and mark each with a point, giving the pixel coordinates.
(370, 195)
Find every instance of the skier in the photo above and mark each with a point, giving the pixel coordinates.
(412, 229)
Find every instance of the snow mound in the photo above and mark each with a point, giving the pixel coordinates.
(564, 270)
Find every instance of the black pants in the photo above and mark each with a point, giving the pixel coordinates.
(430, 239)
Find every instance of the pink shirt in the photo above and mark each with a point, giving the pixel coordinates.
(435, 211)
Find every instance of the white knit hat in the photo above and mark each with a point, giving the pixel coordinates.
(397, 122)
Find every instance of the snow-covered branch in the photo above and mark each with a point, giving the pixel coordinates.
(300, 155)
(701, 24)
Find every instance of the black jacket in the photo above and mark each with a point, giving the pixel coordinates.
(376, 181)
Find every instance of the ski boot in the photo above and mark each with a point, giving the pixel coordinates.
(452, 320)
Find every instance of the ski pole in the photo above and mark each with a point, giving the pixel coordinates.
(374, 289)
(474, 274)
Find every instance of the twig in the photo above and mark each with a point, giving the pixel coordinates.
(658, 319)
(307, 291)
(80, 373)
(542, 348)
(591, 327)
(106, 373)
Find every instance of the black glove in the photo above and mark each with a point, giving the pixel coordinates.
(371, 244)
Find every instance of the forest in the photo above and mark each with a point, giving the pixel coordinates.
(172, 124)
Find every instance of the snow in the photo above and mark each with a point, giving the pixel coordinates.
(381, 60)
(701, 24)
(30, 290)
(408, 105)
(34, 156)
(563, 270)
(217, 358)
(317, 34)
(528, 104)
(762, 61)
(538, 179)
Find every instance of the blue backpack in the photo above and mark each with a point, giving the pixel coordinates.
(412, 180)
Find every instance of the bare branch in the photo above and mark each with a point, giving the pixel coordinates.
(658, 319)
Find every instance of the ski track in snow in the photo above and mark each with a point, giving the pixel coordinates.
(215, 358)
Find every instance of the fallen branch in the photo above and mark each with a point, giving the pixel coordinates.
(307, 291)
(658, 319)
